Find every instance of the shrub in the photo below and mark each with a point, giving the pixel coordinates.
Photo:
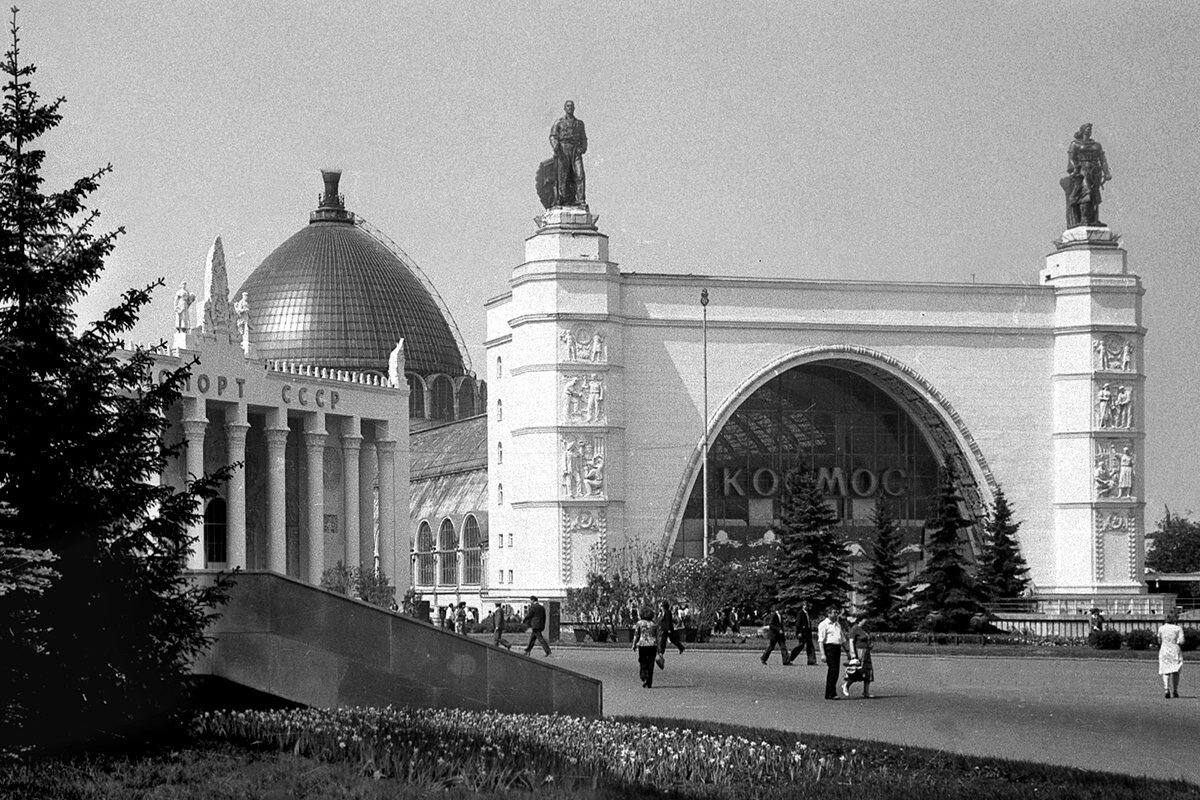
(1105, 640)
(1140, 639)
(1191, 638)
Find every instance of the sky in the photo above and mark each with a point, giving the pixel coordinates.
(918, 141)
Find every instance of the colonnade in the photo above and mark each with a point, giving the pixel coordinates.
(361, 457)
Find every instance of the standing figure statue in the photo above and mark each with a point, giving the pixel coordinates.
(183, 302)
(1087, 172)
(242, 309)
(569, 142)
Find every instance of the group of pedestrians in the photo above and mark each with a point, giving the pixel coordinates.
(835, 634)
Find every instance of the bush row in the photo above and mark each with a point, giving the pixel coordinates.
(1138, 639)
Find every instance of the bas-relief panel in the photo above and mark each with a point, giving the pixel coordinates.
(583, 343)
(583, 467)
(584, 533)
(1114, 406)
(1115, 545)
(1115, 470)
(583, 400)
(1113, 352)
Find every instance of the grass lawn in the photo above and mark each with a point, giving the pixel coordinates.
(212, 769)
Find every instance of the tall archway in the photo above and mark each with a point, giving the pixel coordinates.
(863, 421)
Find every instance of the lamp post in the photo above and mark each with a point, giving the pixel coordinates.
(704, 477)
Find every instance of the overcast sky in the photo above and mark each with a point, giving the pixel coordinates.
(909, 141)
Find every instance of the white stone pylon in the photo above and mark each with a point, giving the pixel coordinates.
(217, 316)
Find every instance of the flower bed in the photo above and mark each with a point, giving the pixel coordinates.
(488, 750)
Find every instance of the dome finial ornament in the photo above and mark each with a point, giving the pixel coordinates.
(331, 206)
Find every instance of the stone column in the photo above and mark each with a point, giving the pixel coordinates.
(314, 489)
(366, 504)
(387, 508)
(277, 497)
(351, 447)
(193, 431)
(235, 433)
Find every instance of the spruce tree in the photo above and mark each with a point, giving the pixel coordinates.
(1002, 570)
(98, 620)
(949, 588)
(884, 584)
(811, 563)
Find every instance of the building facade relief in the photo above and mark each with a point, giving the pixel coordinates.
(583, 399)
(583, 344)
(1114, 406)
(1113, 353)
(583, 467)
(584, 533)
(1115, 470)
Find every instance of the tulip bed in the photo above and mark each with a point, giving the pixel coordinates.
(483, 750)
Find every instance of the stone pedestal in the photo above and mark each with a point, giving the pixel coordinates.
(1099, 426)
(561, 383)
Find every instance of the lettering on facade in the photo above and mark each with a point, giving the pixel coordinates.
(205, 383)
(766, 482)
(307, 395)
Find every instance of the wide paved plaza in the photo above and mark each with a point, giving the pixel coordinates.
(1097, 714)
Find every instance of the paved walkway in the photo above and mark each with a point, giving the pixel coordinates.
(1102, 714)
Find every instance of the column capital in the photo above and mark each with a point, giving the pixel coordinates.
(236, 431)
(351, 442)
(386, 446)
(315, 439)
(195, 427)
(277, 436)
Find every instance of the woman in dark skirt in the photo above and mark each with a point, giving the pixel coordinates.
(645, 642)
(859, 643)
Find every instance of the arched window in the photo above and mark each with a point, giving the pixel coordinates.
(500, 494)
(499, 368)
(425, 557)
(448, 546)
(499, 453)
(499, 411)
(441, 391)
(466, 399)
(472, 560)
(416, 397)
(214, 531)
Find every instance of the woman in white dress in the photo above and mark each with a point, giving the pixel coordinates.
(1170, 654)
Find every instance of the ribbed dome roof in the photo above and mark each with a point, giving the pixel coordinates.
(335, 296)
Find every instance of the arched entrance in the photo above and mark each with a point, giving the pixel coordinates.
(864, 423)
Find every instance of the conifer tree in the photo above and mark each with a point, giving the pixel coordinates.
(811, 563)
(883, 587)
(98, 620)
(1002, 570)
(949, 588)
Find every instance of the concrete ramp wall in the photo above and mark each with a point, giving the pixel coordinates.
(307, 645)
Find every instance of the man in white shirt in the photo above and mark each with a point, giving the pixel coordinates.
(829, 643)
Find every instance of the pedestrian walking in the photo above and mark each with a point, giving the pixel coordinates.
(535, 621)
(645, 642)
(858, 643)
(776, 637)
(1170, 654)
(829, 639)
(804, 633)
(460, 618)
(498, 620)
(667, 633)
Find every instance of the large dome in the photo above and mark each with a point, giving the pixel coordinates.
(333, 295)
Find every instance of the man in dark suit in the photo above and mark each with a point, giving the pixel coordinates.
(804, 634)
(498, 620)
(776, 636)
(535, 619)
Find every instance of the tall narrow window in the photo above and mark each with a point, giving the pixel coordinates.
(500, 494)
(472, 558)
(448, 548)
(425, 557)
(499, 453)
(499, 411)
(214, 531)
(499, 368)
(510, 579)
